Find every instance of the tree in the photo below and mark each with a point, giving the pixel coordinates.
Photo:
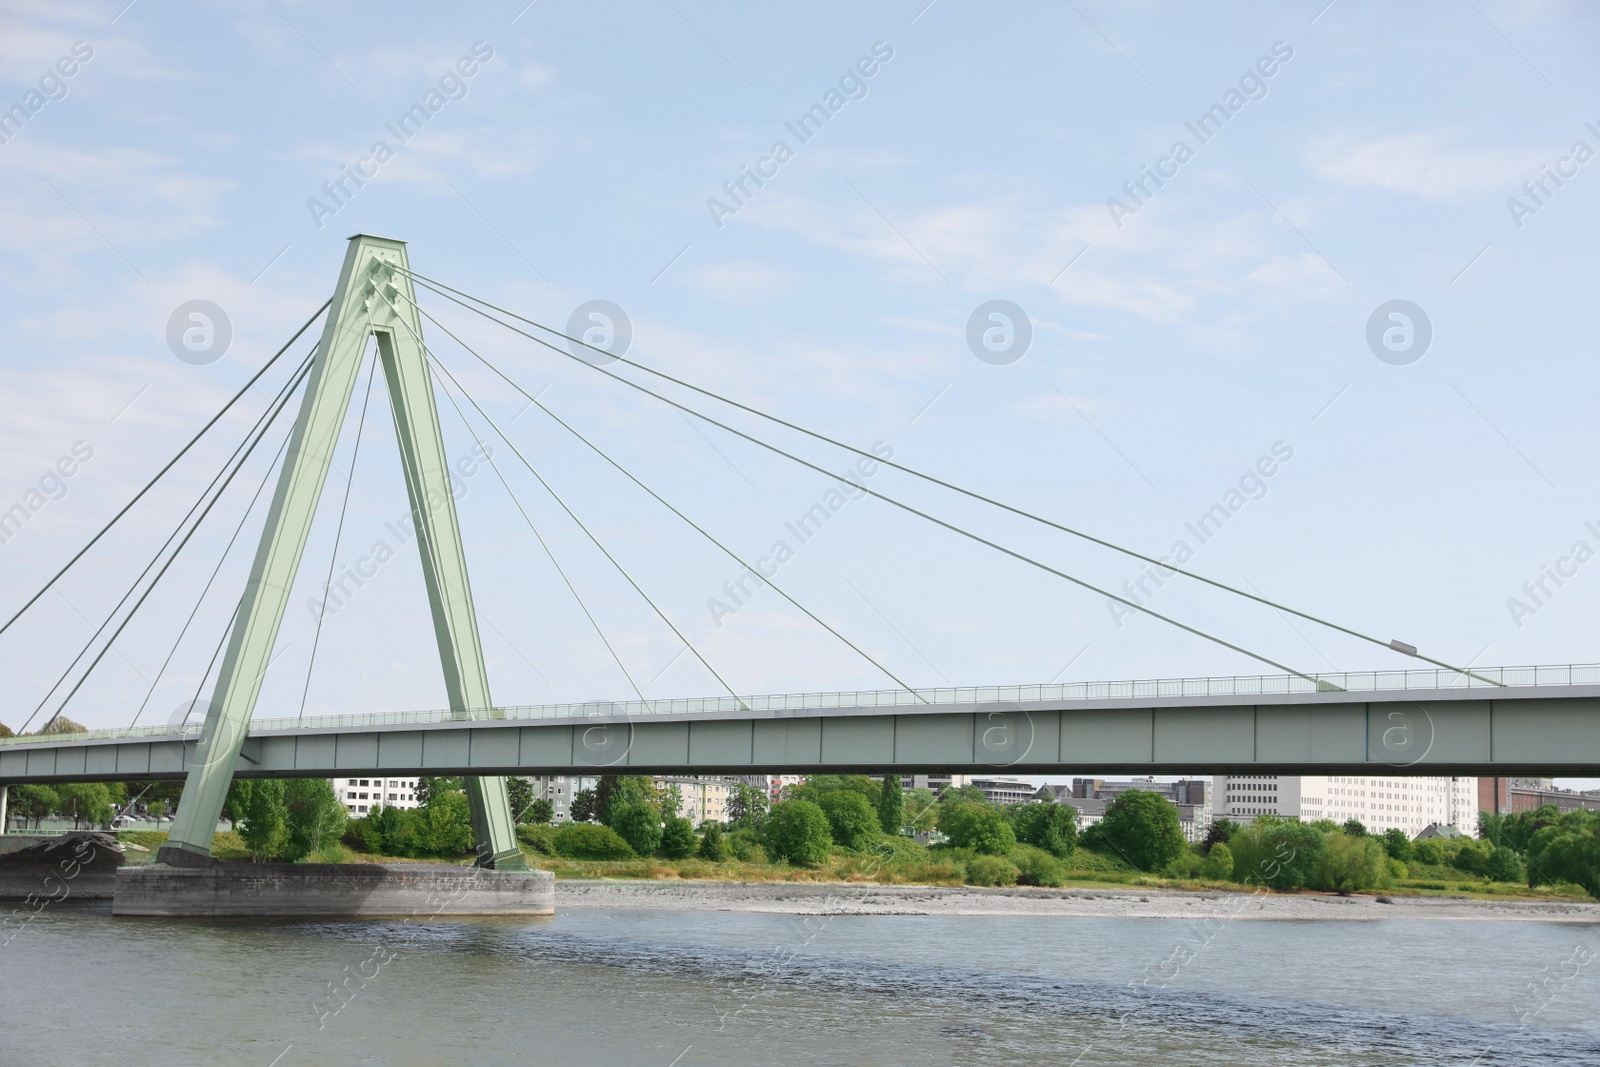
(1355, 828)
(1567, 850)
(922, 809)
(34, 802)
(1143, 828)
(5, 731)
(1397, 844)
(63, 725)
(1276, 852)
(677, 838)
(1348, 864)
(539, 812)
(445, 826)
(976, 825)
(671, 802)
(261, 814)
(1047, 825)
(797, 831)
(713, 844)
(520, 792)
(1505, 865)
(891, 805)
(1221, 832)
(637, 822)
(85, 802)
(585, 806)
(851, 820)
(746, 808)
(1473, 857)
(426, 787)
(313, 817)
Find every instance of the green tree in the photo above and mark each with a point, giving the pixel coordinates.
(5, 731)
(977, 825)
(1221, 832)
(1355, 828)
(891, 805)
(851, 820)
(426, 787)
(1348, 864)
(677, 838)
(445, 826)
(261, 814)
(585, 806)
(33, 802)
(1473, 857)
(797, 831)
(1052, 827)
(1567, 850)
(1505, 865)
(1218, 864)
(1397, 844)
(746, 807)
(520, 792)
(713, 843)
(1276, 852)
(539, 812)
(313, 817)
(85, 802)
(922, 810)
(671, 802)
(1143, 828)
(1429, 850)
(638, 823)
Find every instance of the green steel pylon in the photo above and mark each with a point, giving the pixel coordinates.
(359, 309)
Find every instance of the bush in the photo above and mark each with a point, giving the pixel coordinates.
(976, 825)
(590, 841)
(1348, 864)
(713, 844)
(1473, 857)
(1218, 865)
(677, 838)
(991, 871)
(745, 844)
(541, 837)
(1052, 827)
(362, 836)
(1394, 871)
(1035, 866)
(1431, 851)
(638, 824)
(797, 831)
(851, 819)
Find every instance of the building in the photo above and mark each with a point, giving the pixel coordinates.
(936, 783)
(704, 799)
(1505, 796)
(558, 789)
(774, 784)
(1383, 803)
(1191, 796)
(1005, 790)
(361, 795)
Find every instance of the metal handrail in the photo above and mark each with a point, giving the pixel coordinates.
(1067, 692)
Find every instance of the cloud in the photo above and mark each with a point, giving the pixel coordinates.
(1425, 165)
(738, 282)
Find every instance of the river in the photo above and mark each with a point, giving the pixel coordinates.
(679, 989)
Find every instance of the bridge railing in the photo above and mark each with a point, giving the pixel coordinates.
(1065, 692)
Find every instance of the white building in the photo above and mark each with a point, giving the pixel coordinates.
(1379, 803)
(361, 795)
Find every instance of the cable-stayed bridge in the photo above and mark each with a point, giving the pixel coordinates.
(1446, 719)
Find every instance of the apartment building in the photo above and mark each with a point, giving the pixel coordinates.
(1379, 803)
(361, 795)
(703, 798)
(1505, 796)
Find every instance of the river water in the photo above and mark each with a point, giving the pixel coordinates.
(679, 989)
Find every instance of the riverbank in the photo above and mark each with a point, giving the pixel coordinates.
(795, 898)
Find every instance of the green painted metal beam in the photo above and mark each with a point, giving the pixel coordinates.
(359, 311)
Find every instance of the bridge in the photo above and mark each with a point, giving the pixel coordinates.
(1535, 721)
(1445, 719)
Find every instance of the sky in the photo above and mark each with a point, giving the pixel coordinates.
(1317, 268)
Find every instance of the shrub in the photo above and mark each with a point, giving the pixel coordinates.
(1473, 857)
(590, 841)
(976, 825)
(541, 837)
(797, 831)
(991, 871)
(362, 836)
(1275, 851)
(677, 838)
(1052, 827)
(713, 844)
(1431, 851)
(638, 823)
(1218, 865)
(1394, 871)
(745, 844)
(1035, 866)
(1143, 828)
(1347, 864)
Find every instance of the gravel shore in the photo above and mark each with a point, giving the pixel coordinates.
(790, 898)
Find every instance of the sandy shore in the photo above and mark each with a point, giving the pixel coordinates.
(786, 898)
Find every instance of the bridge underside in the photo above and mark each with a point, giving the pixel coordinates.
(1528, 734)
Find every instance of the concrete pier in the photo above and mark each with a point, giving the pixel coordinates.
(330, 890)
(79, 866)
